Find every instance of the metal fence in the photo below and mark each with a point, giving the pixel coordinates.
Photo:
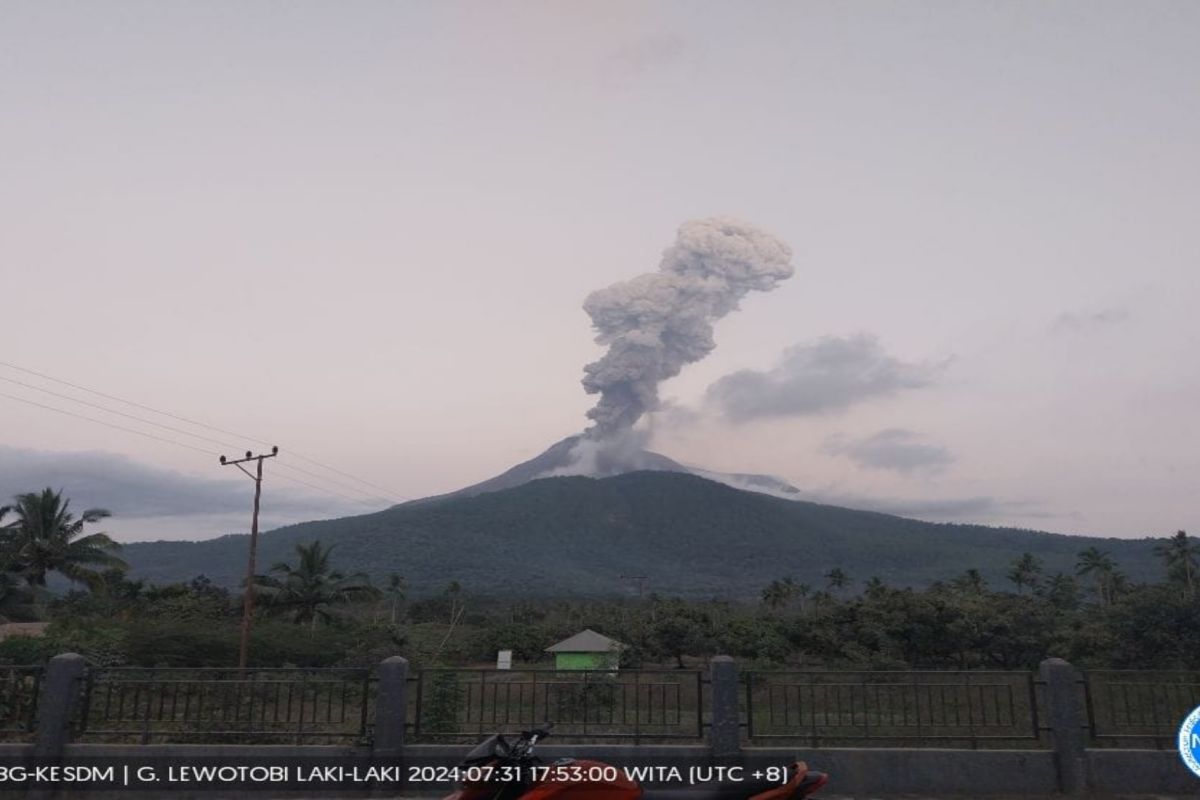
(1137, 707)
(819, 708)
(588, 704)
(19, 687)
(266, 706)
(945, 708)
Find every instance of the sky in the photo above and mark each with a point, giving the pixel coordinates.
(364, 232)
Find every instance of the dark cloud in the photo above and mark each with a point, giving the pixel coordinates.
(894, 449)
(1074, 321)
(830, 374)
(133, 490)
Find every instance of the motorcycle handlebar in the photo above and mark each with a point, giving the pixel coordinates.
(539, 733)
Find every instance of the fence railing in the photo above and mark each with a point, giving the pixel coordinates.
(1138, 707)
(19, 689)
(816, 708)
(235, 706)
(952, 708)
(639, 705)
(384, 715)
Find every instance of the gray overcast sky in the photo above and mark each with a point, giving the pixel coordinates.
(365, 231)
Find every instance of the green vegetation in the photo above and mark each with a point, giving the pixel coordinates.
(45, 537)
(958, 623)
(1011, 616)
(692, 537)
(310, 590)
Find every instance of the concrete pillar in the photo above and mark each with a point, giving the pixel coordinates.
(62, 684)
(725, 732)
(1066, 720)
(391, 707)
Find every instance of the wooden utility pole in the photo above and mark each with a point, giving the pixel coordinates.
(248, 595)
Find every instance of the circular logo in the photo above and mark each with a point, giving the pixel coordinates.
(1189, 741)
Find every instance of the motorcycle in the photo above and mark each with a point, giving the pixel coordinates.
(497, 770)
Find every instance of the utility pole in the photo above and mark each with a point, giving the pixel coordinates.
(248, 595)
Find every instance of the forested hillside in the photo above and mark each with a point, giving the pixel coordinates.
(689, 536)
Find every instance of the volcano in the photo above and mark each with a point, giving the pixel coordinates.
(575, 536)
(558, 460)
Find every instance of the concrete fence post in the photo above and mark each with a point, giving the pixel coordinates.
(725, 732)
(391, 707)
(1066, 718)
(62, 683)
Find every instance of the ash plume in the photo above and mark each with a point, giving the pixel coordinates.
(657, 323)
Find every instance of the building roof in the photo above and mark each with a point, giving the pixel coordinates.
(10, 629)
(587, 641)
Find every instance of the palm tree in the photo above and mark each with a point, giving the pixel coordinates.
(1026, 571)
(1118, 585)
(45, 537)
(308, 591)
(1101, 566)
(1181, 554)
(970, 581)
(1062, 591)
(777, 594)
(876, 588)
(837, 578)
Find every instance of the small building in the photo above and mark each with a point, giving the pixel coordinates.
(10, 630)
(587, 650)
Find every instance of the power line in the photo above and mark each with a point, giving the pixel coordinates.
(178, 444)
(107, 424)
(181, 431)
(321, 489)
(388, 493)
(128, 402)
(114, 411)
(328, 491)
(326, 478)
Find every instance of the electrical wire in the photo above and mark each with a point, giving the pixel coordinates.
(320, 489)
(373, 506)
(114, 411)
(185, 433)
(389, 494)
(106, 424)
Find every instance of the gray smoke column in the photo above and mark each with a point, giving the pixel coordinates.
(657, 323)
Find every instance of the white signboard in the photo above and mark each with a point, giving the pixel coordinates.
(504, 659)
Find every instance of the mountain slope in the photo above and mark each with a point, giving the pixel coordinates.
(688, 535)
(555, 457)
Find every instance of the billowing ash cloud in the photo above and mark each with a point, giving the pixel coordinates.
(830, 374)
(893, 449)
(657, 323)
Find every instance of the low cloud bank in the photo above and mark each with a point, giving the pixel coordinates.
(828, 375)
(894, 449)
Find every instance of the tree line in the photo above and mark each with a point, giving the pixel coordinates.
(314, 614)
